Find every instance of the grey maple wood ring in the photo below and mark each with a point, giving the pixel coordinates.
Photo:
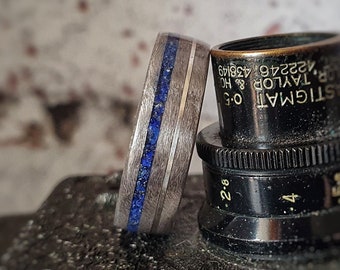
(164, 135)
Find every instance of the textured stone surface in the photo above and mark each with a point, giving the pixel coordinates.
(71, 74)
(73, 230)
(9, 229)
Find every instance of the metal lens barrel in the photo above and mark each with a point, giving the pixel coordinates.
(272, 164)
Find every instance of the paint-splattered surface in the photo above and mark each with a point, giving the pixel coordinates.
(71, 74)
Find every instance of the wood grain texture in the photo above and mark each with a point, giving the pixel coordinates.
(166, 135)
(138, 138)
(176, 138)
(188, 128)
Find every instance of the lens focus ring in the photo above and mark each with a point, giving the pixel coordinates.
(272, 164)
(211, 150)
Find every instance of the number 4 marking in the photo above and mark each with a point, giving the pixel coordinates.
(291, 198)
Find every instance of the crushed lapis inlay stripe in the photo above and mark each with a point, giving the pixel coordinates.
(161, 94)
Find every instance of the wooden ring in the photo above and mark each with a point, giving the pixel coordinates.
(164, 135)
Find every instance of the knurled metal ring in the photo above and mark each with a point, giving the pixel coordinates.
(301, 156)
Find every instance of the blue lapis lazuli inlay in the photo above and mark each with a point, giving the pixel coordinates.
(145, 166)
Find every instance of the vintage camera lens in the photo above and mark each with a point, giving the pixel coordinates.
(272, 164)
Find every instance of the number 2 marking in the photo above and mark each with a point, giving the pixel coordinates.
(225, 194)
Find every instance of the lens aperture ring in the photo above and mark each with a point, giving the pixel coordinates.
(293, 192)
